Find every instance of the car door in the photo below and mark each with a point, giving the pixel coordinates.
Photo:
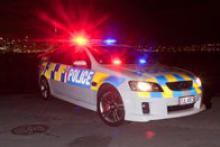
(79, 75)
(56, 69)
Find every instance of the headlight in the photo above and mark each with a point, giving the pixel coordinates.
(144, 86)
(198, 81)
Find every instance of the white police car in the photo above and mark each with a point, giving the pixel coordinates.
(119, 83)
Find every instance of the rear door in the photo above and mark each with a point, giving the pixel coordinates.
(56, 72)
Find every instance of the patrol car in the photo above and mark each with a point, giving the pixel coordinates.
(119, 82)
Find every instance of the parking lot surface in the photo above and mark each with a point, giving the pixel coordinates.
(67, 125)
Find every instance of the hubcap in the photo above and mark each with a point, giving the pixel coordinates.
(111, 108)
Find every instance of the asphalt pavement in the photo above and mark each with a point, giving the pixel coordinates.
(67, 125)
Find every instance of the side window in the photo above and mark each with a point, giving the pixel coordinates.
(71, 56)
(56, 57)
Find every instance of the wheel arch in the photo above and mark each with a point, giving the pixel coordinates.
(105, 86)
(40, 78)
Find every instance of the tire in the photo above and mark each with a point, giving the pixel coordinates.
(110, 106)
(44, 89)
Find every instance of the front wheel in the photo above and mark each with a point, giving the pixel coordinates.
(110, 107)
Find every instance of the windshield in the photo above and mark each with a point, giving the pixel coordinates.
(124, 55)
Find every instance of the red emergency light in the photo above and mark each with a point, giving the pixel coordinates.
(80, 40)
(116, 61)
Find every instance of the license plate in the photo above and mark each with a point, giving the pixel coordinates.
(186, 100)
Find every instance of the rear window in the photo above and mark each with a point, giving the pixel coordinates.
(68, 55)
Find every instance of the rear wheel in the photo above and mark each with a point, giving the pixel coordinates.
(110, 106)
(44, 88)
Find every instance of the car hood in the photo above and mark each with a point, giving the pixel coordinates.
(154, 71)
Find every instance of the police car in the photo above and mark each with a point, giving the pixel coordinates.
(118, 82)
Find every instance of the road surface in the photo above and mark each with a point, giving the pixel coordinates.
(72, 126)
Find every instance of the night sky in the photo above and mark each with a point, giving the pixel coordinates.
(169, 21)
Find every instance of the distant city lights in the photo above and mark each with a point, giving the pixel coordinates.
(28, 45)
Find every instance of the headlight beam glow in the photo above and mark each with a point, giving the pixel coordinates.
(143, 86)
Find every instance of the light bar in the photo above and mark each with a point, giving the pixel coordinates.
(110, 41)
(142, 61)
(116, 61)
(80, 40)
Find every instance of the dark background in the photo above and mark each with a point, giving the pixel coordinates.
(143, 22)
(157, 21)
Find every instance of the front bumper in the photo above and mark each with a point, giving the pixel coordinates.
(158, 107)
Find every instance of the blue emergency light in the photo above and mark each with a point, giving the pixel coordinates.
(110, 41)
(142, 61)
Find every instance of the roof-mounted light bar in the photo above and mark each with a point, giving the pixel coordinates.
(80, 40)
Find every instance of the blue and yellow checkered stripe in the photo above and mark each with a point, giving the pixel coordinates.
(167, 93)
(101, 78)
(55, 71)
(58, 72)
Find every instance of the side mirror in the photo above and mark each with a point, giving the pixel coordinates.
(80, 63)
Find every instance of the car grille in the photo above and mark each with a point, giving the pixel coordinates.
(179, 107)
(180, 86)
